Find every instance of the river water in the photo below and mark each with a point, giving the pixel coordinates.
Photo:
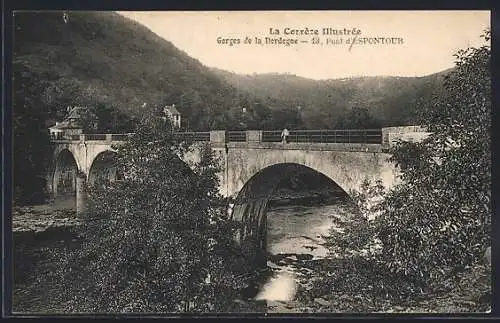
(295, 233)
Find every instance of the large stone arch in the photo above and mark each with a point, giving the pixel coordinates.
(78, 155)
(347, 168)
(251, 203)
(92, 150)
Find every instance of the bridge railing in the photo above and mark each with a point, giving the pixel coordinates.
(95, 136)
(368, 136)
(236, 136)
(119, 137)
(271, 136)
(193, 136)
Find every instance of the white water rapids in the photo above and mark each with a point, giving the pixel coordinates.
(298, 230)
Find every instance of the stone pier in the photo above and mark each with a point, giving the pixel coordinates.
(81, 195)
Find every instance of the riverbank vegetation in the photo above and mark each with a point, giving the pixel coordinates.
(432, 229)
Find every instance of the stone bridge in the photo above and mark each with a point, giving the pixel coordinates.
(254, 163)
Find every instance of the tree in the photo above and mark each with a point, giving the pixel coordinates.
(103, 118)
(437, 220)
(284, 117)
(31, 143)
(62, 92)
(88, 120)
(151, 239)
(357, 118)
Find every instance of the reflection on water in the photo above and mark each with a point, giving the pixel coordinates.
(295, 233)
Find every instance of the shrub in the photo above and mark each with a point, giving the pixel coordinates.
(437, 220)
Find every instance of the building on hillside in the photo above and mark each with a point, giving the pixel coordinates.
(56, 131)
(72, 124)
(173, 115)
(64, 129)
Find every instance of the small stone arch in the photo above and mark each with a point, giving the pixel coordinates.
(64, 175)
(103, 168)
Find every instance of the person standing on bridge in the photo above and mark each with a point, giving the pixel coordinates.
(284, 135)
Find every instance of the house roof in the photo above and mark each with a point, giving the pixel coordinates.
(172, 109)
(55, 129)
(64, 125)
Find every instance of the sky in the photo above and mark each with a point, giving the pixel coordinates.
(423, 42)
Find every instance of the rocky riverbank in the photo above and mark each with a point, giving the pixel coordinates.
(41, 218)
(322, 286)
(336, 286)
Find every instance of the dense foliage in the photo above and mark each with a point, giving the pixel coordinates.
(31, 145)
(437, 221)
(390, 101)
(152, 240)
(34, 109)
(103, 58)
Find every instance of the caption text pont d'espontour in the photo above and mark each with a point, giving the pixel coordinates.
(316, 36)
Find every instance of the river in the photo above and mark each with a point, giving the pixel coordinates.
(295, 233)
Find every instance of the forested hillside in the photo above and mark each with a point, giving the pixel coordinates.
(104, 59)
(389, 100)
(107, 61)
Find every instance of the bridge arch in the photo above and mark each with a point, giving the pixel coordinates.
(64, 174)
(252, 201)
(347, 168)
(103, 168)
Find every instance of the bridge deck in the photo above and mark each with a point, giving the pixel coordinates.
(368, 136)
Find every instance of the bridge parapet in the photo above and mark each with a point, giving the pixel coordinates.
(390, 135)
(348, 138)
(218, 136)
(368, 136)
(91, 137)
(303, 146)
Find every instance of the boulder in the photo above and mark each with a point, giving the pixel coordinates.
(273, 266)
(307, 286)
